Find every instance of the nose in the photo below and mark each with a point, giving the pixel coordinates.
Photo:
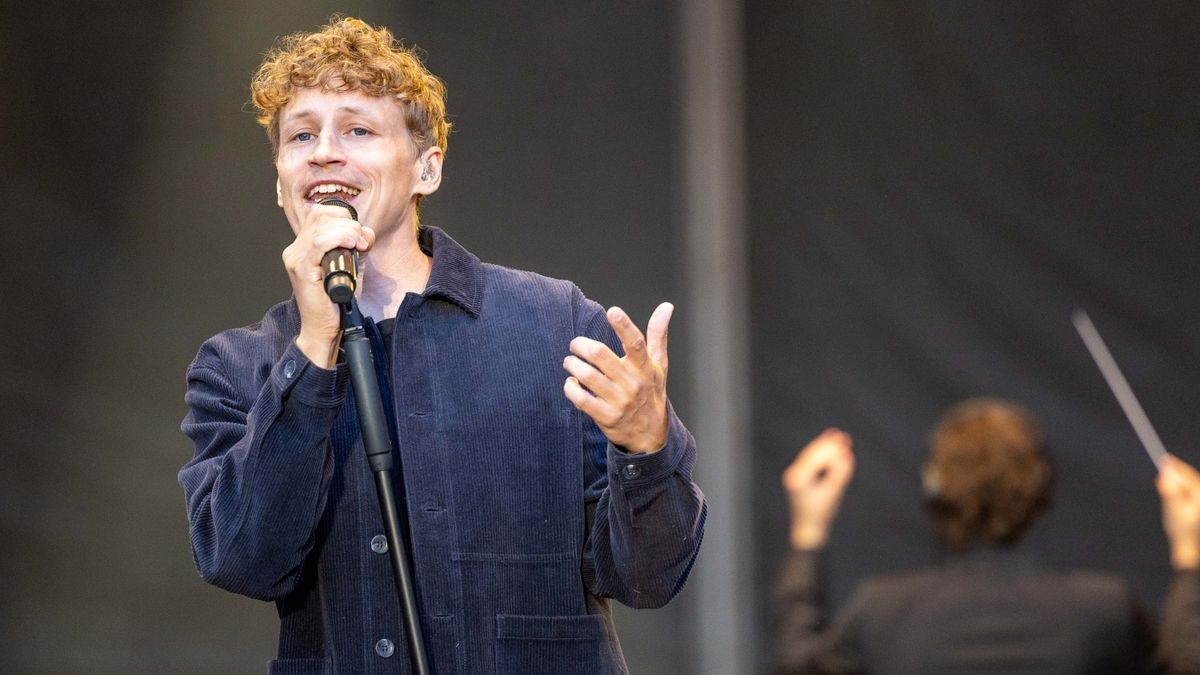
(327, 150)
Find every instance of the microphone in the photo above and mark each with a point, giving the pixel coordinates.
(340, 264)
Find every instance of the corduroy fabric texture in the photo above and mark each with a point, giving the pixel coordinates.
(523, 520)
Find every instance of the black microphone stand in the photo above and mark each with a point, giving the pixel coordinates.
(378, 444)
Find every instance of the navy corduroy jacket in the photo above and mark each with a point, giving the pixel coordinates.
(523, 520)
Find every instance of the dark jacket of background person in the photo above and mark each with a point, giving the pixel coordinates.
(523, 519)
(991, 610)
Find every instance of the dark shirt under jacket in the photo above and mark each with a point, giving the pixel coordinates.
(988, 611)
(523, 519)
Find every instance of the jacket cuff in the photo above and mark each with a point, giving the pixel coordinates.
(637, 468)
(804, 569)
(301, 380)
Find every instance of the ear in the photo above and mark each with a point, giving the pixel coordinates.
(429, 171)
(931, 483)
(278, 194)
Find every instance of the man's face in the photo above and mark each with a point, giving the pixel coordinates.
(350, 146)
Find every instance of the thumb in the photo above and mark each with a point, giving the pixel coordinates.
(656, 333)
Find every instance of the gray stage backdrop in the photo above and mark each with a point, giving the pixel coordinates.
(145, 192)
(932, 187)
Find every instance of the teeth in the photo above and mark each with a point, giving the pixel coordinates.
(330, 188)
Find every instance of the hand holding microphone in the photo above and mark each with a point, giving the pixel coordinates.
(321, 263)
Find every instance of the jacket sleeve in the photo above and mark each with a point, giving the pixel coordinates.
(645, 515)
(256, 487)
(806, 641)
(1179, 634)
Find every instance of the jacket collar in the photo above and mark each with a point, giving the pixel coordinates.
(457, 275)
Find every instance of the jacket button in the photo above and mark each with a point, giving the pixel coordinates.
(379, 543)
(385, 648)
(289, 369)
(631, 471)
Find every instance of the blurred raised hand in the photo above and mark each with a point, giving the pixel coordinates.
(815, 482)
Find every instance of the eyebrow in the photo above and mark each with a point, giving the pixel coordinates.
(299, 114)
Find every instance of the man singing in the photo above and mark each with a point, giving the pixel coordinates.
(524, 516)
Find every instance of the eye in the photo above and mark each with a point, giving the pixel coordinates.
(303, 136)
(359, 131)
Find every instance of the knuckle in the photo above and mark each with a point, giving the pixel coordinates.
(585, 378)
(622, 400)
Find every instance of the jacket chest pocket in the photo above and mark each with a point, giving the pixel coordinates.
(517, 482)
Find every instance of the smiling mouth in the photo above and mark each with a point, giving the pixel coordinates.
(327, 190)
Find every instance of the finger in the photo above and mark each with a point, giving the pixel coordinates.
(332, 210)
(835, 436)
(835, 464)
(336, 237)
(1173, 485)
(805, 458)
(595, 408)
(599, 356)
(320, 212)
(1185, 471)
(302, 258)
(1167, 483)
(631, 338)
(830, 458)
(813, 463)
(841, 468)
(656, 333)
(833, 469)
(367, 238)
(795, 477)
(829, 443)
(591, 378)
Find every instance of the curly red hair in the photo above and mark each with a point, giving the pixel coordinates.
(349, 55)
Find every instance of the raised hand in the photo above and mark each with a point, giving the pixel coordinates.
(626, 396)
(815, 482)
(1179, 487)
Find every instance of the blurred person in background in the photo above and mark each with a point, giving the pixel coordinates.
(988, 607)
